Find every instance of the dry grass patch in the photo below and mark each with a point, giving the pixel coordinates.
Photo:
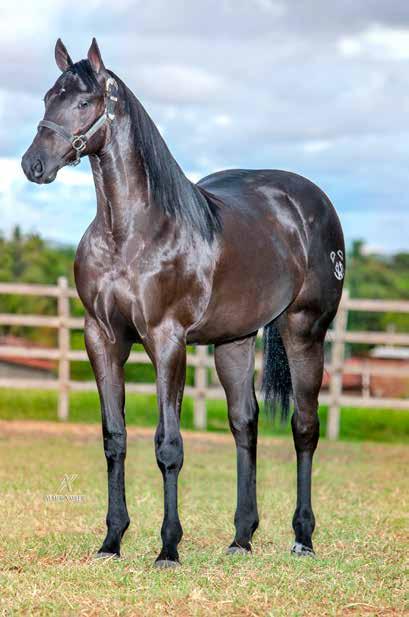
(46, 566)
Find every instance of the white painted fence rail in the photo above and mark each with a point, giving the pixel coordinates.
(202, 360)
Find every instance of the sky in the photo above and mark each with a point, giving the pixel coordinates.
(315, 87)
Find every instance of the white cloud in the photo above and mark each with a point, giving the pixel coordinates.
(377, 42)
(276, 9)
(222, 120)
(11, 174)
(316, 146)
(60, 211)
(194, 176)
(179, 83)
(71, 177)
(24, 18)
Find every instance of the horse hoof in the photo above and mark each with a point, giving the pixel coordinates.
(162, 564)
(102, 555)
(237, 550)
(300, 550)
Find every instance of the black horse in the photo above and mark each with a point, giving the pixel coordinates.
(168, 263)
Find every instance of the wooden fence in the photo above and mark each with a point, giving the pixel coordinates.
(201, 360)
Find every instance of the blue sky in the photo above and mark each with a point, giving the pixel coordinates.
(314, 87)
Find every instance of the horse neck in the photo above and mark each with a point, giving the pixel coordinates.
(141, 189)
(120, 183)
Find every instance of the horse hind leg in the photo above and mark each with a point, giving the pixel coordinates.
(235, 367)
(303, 333)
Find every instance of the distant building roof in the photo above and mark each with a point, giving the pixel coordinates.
(17, 341)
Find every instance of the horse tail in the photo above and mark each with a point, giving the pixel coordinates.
(276, 385)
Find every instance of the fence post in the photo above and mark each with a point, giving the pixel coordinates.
(337, 361)
(64, 347)
(199, 412)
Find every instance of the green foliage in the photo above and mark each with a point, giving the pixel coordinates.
(30, 259)
(377, 277)
(27, 258)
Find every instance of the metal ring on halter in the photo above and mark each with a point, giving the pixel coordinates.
(79, 142)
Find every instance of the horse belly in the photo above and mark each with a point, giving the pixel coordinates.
(250, 289)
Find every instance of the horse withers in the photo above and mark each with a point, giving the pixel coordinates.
(167, 263)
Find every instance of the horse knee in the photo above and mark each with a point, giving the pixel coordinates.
(305, 430)
(169, 453)
(115, 446)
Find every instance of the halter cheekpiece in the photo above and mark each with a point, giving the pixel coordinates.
(79, 142)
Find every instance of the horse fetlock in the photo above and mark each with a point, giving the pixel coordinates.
(255, 524)
(111, 545)
(169, 552)
(244, 532)
(239, 547)
(116, 530)
(117, 526)
(304, 525)
(246, 519)
(171, 533)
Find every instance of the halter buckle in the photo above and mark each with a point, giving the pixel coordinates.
(79, 143)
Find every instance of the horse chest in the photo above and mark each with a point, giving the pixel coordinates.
(126, 295)
(141, 287)
(111, 292)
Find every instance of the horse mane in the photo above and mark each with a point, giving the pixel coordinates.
(170, 190)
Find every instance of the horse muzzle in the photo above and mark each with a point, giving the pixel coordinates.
(38, 169)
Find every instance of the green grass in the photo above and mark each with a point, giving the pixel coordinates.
(360, 499)
(385, 425)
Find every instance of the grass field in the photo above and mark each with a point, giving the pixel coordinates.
(382, 425)
(361, 501)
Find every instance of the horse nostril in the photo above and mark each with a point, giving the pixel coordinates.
(37, 168)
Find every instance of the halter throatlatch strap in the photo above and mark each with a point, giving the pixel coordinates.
(79, 142)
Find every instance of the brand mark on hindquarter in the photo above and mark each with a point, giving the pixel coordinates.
(337, 259)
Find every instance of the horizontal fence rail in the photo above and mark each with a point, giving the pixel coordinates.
(201, 360)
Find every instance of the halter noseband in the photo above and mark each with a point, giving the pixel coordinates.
(79, 142)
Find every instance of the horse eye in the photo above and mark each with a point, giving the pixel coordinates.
(82, 104)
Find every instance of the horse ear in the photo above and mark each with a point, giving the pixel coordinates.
(62, 57)
(94, 56)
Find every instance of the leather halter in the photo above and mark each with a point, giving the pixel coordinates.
(79, 142)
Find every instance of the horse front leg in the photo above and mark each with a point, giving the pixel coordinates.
(168, 351)
(107, 360)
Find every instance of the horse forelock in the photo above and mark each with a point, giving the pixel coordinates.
(85, 73)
